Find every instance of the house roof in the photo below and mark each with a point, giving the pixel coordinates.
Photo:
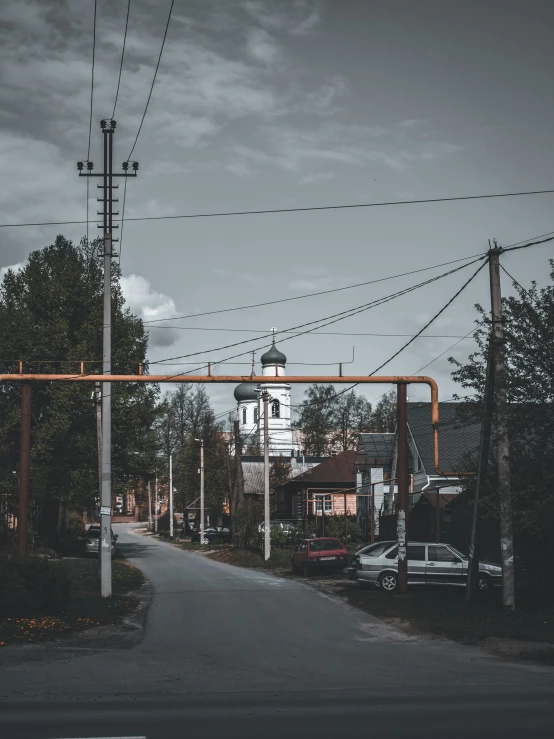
(456, 438)
(338, 469)
(253, 473)
(374, 450)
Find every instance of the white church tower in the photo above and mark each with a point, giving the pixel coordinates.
(250, 407)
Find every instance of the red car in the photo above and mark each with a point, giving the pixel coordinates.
(324, 553)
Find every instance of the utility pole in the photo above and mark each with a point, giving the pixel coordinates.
(402, 474)
(156, 504)
(267, 537)
(481, 480)
(149, 508)
(501, 423)
(107, 199)
(171, 496)
(98, 401)
(201, 490)
(24, 462)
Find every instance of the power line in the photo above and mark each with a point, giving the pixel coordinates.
(434, 318)
(336, 316)
(91, 99)
(121, 69)
(312, 295)
(288, 331)
(291, 210)
(524, 246)
(153, 80)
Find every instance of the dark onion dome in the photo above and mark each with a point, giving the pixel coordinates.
(245, 391)
(273, 356)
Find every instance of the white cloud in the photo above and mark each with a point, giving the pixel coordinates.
(262, 47)
(13, 267)
(299, 17)
(315, 177)
(150, 305)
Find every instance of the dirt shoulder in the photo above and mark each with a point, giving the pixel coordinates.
(86, 611)
(526, 634)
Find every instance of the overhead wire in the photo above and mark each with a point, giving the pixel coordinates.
(91, 102)
(153, 80)
(121, 66)
(315, 294)
(326, 320)
(289, 210)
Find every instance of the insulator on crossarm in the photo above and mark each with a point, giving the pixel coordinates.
(80, 166)
(125, 166)
(135, 166)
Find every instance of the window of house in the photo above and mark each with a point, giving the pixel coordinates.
(275, 409)
(244, 415)
(323, 503)
(255, 415)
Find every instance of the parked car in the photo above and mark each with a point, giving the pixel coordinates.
(321, 553)
(428, 564)
(371, 550)
(92, 540)
(213, 534)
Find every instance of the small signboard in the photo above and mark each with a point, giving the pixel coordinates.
(105, 510)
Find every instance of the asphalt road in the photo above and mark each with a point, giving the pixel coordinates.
(234, 653)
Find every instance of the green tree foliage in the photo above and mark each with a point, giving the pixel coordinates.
(528, 320)
(51, 319)
(383, 418)
(333, 422)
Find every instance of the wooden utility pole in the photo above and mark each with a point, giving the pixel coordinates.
(501, 424)
(149, 507)
(481, 480)
(402, 474)
(24, 462)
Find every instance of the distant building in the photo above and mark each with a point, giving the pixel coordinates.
(282, 440)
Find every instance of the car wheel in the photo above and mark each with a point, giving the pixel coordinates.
(388, 582)
(306, 570)
(483, 584)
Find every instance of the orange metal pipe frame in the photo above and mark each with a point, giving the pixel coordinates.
(265, 379)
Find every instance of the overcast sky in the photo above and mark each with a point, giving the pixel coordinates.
(289, 103)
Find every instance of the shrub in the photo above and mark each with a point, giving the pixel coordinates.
(72, 540)
(32, 587)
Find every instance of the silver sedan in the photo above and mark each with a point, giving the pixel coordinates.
(428, 564)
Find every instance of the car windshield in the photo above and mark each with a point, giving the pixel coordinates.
(325, 545)
(375, 550)
(93, 533)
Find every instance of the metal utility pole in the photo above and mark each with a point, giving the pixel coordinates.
(402, 474)
(267, 536)
(24, 462)
(481, 481)
(149, 508)
(156, 504)
(171, 496)
(202, 491)
(501, 423)
(98, 401)
(107, 199)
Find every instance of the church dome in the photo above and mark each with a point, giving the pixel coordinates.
(273, 356)
(245, 391)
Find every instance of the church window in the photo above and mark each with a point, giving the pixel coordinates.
(255, 415)
(244, 415)
(275, 409)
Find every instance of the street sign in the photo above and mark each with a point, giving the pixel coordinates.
(105, 510)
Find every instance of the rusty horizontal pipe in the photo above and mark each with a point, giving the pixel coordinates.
(265, 379)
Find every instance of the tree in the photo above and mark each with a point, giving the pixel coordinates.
(351, 417)
(528, 321)
(51, 318)
(383, 418)
(315, 419)
(329, 421)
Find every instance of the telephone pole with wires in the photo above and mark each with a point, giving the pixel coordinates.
(85, 169)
